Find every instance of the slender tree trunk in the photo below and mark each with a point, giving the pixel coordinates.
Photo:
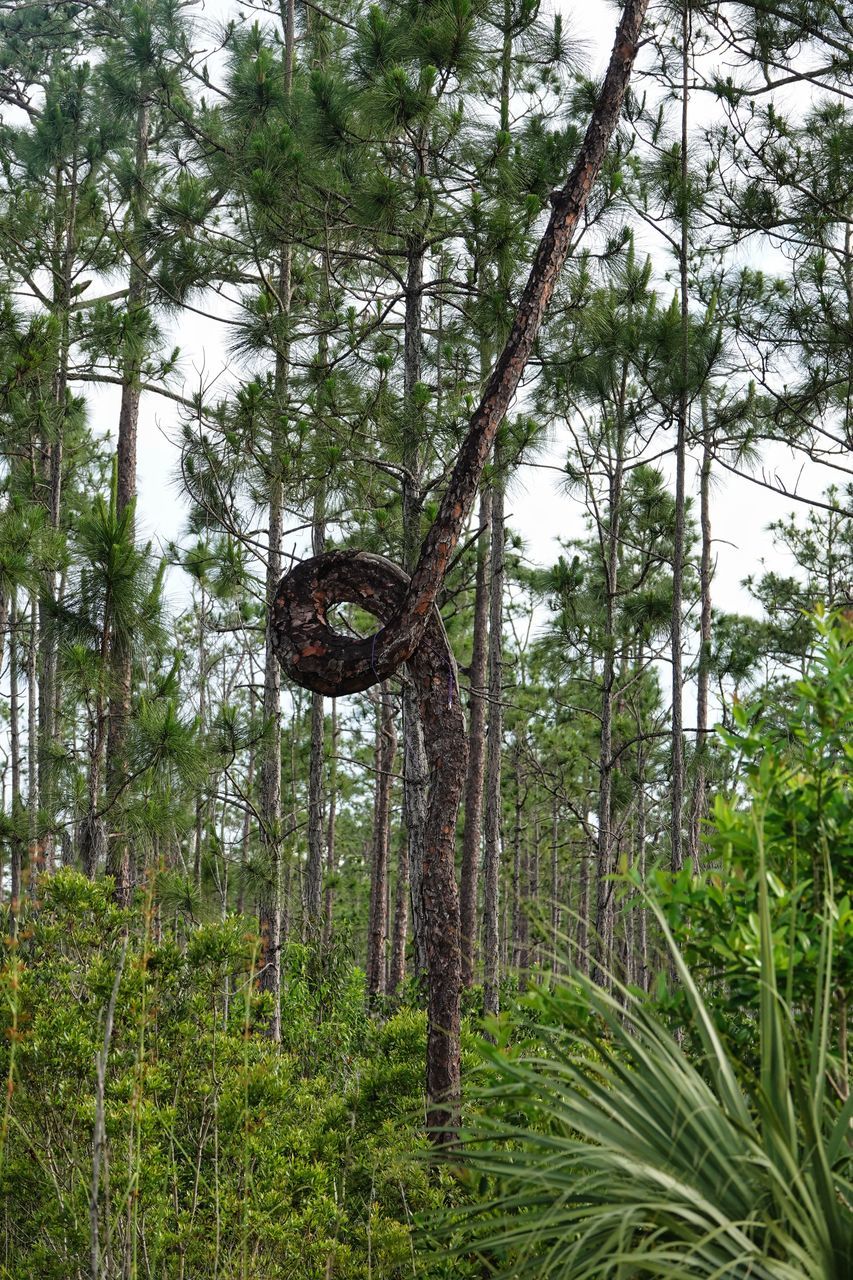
(33, 854)
(519, 875)
(533, 882)
(269, 906)
(246, 832)
(93, 836)
(4, 625)
(641, 931)
(415, 775)
(401, 914)
(118, 851)
(201, 798)
(328, 908)
(676, 843)
(471, 844)
(604, 905)
(583, 911)
(699, 801)
(555, 883)
(386, 750)
(494, 743)
(15, 747)
(316, 845)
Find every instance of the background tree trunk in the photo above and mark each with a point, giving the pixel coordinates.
(118, 850)
(386, 750)
(471, 842)
(492, 834)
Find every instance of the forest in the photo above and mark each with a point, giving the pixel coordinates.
(426, 639)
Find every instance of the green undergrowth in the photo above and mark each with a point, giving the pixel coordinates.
(225, 1155)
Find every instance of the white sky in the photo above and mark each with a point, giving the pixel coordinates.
(539, 510)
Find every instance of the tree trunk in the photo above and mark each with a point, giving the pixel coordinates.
(604, 906)
(33, 852)
(471, 842)
(676, 843)
(15, 747)
(583, 911)
(316, 846)
(415, 779)
(312, 653)
(699, 802)
(533, 847)
(247, 827)
(119, 852)
(328, 905)
(201, 798)
(555, 884)
(269, 903)
(397, 974)
(492, 833)
(318, 658)
(641, 930)
(386, 750)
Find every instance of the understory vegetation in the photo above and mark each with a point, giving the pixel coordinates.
(701, 1130)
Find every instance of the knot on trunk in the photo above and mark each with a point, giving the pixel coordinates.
(319, 658)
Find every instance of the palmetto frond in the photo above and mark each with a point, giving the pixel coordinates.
(613, 1153)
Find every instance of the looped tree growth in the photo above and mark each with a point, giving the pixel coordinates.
(317, 657)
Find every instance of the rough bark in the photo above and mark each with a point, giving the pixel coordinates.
(322, 660)
(583, 911)
(471, 841)
(246, 833)
(378, 586)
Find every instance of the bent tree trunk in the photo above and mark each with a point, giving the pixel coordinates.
(318, 658)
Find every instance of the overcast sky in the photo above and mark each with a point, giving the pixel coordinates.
(539, 510)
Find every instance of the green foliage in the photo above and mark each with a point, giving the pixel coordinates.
(792, 814)
(225, 1154)
(611, 1146)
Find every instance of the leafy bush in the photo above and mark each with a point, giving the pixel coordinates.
(225, 1155)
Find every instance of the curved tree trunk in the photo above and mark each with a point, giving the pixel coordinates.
(320, 659)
